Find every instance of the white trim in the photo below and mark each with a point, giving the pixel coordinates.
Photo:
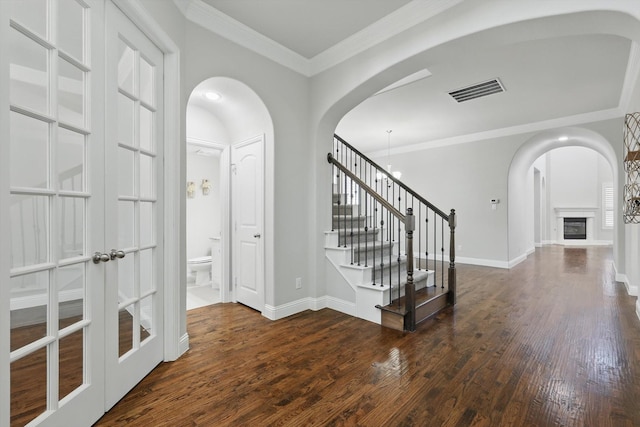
(18, 303)
(578, 119)
(309, 303)
(287, 309)
(343, 306)
(638, 308)
(207, 144)
(5, 219)
(409, 15)
(173, 228)
(184, 344)
(517, 260)
(400, 20)
(225, 26)
(630, 76)
(631, 289)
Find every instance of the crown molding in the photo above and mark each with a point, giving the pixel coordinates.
(578, 119)
(396, 22)
(402, 19)
(212, 19)
(630, 77)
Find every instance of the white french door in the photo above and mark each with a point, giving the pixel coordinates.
(247, 189)
(134, 103)
(84, 322)
(56, 212)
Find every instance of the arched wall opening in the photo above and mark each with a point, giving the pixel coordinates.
(221, 113)
(524, 158)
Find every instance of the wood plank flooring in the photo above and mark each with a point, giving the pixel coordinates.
(552, 342)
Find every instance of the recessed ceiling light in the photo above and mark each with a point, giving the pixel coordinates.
(213, 96)
(563, 138)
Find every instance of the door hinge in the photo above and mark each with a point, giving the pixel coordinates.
(234, 169)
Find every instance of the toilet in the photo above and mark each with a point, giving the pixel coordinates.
(202, 268)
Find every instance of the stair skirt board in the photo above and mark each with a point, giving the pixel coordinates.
(309, 303)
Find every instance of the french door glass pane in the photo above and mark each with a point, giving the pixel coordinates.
(126, 224)
(29, 230)
(146, 318)
(147, 80)
(125, 330)
(28, 387)
(146, 271)
(126, 278)
(71, 363)
(31, 14)
(125, 67)
(146, 224)
(71, 160)
(29, 139)
(126, 159)
(29, 297)
(71, 291)
(146, 129)
(29, 71)
(125, 120)
(71, 97)
(146, 176)
(70, 37)
(72, 226)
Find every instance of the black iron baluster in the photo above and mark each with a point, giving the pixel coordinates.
(442, 250)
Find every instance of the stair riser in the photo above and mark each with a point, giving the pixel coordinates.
(368, 255)
(348, 222)
(344, 209)
(361, 238)
(394, 267)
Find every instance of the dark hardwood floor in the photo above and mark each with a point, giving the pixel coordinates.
(552, 342)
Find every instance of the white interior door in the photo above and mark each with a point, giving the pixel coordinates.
(134, 306)
(247, 189)
(56, 212)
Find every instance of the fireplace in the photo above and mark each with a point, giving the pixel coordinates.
(575, 228)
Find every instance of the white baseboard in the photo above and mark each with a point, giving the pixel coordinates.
(346, 307)
(482, 262)
(517, 260)
(621, 277)
(638, 308)
(183, 345)
(308, 303)
(531, 250)
(582, 242)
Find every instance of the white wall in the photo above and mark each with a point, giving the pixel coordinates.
(203, 211)
(465, 178)
(576, 176)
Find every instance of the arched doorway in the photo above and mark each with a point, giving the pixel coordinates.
(524, 158)
(224, 117)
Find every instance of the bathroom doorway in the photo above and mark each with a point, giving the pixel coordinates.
(204, 223)
(224, 115)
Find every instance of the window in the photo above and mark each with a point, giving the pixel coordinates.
(607, 206)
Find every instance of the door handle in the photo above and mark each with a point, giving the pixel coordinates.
(100, 257)
(257, 235)
(116, 254)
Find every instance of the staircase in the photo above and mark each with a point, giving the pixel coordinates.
(372, 243)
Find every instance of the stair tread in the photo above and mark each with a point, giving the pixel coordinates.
(423, 296)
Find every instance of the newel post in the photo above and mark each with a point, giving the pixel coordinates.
(451, 296)
(409, 288)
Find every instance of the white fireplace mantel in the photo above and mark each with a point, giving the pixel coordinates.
(580, 212)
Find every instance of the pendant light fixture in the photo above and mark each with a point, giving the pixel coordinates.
(396, 174)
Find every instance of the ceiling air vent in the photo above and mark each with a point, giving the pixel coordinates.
(477, 90)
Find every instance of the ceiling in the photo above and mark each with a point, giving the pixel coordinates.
(546, 76)
(307, 27)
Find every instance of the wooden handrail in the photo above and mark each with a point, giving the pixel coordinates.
(366, 188)
(394, 179)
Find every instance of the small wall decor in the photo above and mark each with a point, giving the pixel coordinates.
(191, 189)
(206, 186)
(631, 204)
